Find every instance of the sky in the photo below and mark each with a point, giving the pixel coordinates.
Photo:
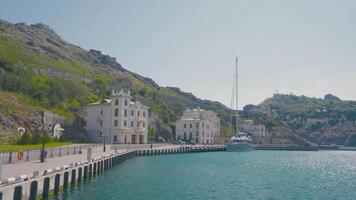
(304, 47)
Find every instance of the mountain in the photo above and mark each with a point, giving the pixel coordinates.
(41, 71)
(320, 121)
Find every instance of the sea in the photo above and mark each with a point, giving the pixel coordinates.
(251, 175)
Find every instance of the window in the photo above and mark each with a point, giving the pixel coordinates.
(116, 112)
(138, 124)
(125, 113)
(125, 123)
(116, 102)
(101, 112)
(144, 114)
(132, 112)
(132, 124)
(190, 126)
(178, 137)
(197, 125)
(101, 123)
(115, 138)
(185, 136)
(197, 134)
(190, 136)
(185, 126)
(125, 102)
(138, 113)
(115, 122)
(143, 124)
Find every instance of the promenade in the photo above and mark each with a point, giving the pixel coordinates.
(27, 168)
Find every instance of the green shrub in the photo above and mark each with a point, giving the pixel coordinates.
(26, 138)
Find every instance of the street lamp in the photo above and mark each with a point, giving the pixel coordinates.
(102, 135)
(151, 133)
(43, 139)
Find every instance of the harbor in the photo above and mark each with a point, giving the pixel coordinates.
(213, 175)
(56, 174)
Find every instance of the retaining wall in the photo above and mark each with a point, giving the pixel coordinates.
(59, 178)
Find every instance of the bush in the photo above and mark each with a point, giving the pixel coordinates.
(62, 139)
(26, 138)
(36, 138)
(48, 139)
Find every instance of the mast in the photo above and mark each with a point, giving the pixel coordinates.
(235, 100)
(237, 95)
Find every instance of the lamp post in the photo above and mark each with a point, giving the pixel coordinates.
(0, 165)
(151, 133)
(104, 144)
(102, 135)
(43, 139)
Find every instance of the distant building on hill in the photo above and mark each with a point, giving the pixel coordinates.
(117, 120)
(258, 130)
(198, 125)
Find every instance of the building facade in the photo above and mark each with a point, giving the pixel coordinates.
(117, 120)
(199, 126)
(258, 130)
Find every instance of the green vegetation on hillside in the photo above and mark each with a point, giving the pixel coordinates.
(37, 66)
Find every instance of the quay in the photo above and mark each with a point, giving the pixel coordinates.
(286, 147)
(44, 183)
(181, 149)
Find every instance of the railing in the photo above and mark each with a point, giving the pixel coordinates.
(35, 154)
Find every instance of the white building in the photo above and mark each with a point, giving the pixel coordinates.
(117, 120)
(258, 130)
(198, 126)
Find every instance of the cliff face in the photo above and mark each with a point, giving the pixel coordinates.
(41, 71)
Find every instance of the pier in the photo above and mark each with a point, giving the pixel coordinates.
(52, 181)
(48, 182)
(181, 149)
(286, 147)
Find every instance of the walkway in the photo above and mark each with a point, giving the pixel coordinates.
(27, 168)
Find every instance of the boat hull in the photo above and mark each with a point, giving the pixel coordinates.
(239, 147)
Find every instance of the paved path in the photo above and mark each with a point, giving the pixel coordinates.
(27, 168)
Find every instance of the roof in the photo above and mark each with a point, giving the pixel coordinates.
(103, 102)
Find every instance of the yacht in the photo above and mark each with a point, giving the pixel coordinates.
(240, 141)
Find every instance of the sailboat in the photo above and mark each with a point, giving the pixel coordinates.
(239, 141)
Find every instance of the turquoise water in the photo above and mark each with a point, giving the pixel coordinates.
(227, 175)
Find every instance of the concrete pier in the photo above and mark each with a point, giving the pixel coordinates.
(286, 147)
(59, 178)
(181, 149)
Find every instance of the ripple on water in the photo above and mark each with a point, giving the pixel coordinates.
(223, 175)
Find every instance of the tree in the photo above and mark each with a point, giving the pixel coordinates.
(151, 132)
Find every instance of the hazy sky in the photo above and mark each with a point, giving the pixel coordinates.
(305, 47)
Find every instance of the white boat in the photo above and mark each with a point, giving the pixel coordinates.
(240, 141)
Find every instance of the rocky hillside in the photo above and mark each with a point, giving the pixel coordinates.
(40, 71)
(300, 118)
